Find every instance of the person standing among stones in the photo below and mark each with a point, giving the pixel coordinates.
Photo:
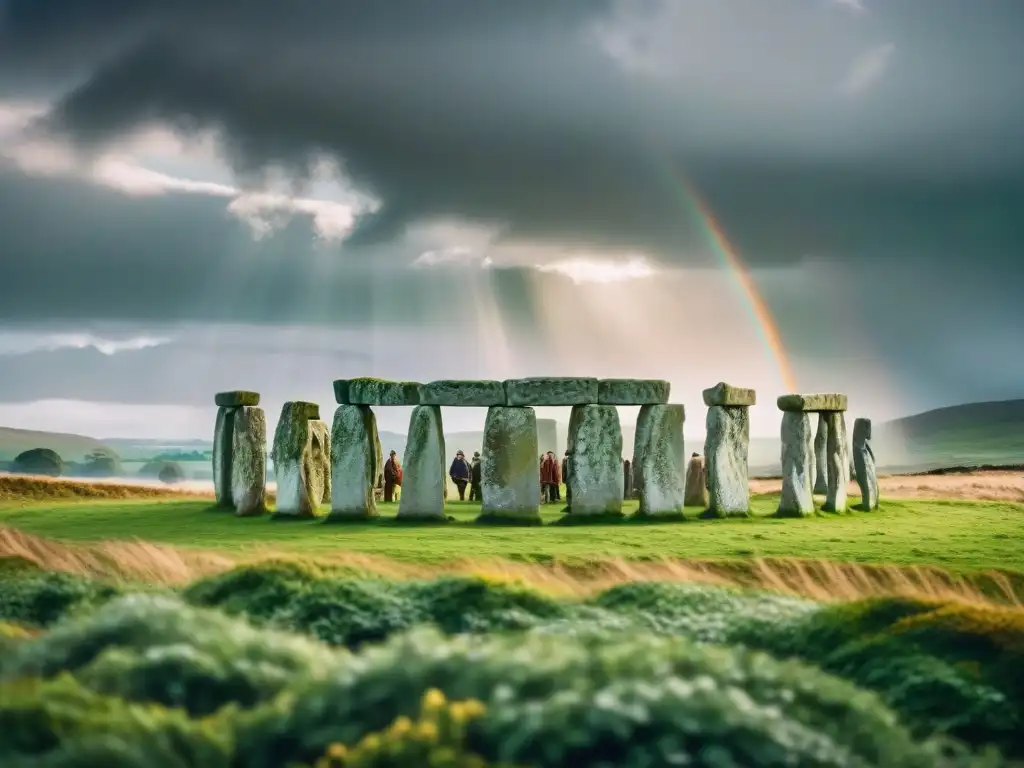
(460, 474)
(696, 488)
(475, 478)
(392, 476)
(550, 476)
(566, 471)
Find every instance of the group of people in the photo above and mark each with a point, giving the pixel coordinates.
(467, 473)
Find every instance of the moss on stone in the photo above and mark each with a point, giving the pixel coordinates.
(632, 391)
(373, 391)
(249, 462)
(236, 398)
(463, 393)
(341, 391)
(816, 402)
(727, 395)
(551, 391)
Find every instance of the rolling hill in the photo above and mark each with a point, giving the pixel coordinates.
(70, 447)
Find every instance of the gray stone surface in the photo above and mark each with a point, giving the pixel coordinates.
(511, 482)
(369, 391)
(662, 490)
(249, 462)
(838, 460)
(821, 456)
(424, 485)
(550, 391)
(727, 395)
(725, 453)
(596, 459)
(696, 485)
(641, 439)
(463, 394)
(632, 391)
(298, 456)
(864, 465)
(223, 440)
(236, 398)
(322, 438)
(797, 499)
(354, 465)
(832, 401)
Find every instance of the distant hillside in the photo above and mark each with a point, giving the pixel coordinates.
(70, 447)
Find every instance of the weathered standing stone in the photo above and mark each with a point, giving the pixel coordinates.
(354, 444)
(632, 391)
(864, 465)
(425, 482)
(641, 439)
(249, 462)
(662, 489)
(223, 440)
(797, 499)
(696, 489)
(550, 391)
(322, 438)
(819, 402)
(838, 458)
(723, 394)
(463, 394)
(627, 479)
(298, 455)
(369, 391)
(511, 483)
(725, 452)
(596, 457)
(236, 399)
(821, 456)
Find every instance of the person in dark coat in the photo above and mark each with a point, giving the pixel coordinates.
(475, 478)
(392, 476)
(460, 474)
(567, 478)
(550, 476)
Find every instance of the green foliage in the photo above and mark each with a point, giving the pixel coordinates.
(169, 472)
(38, 598)
(38, 461)
(102, 462)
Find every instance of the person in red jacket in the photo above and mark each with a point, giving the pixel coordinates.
(550, 476)
(392, 476)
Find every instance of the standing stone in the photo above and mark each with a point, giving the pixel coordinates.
(797, 499)
(322, 434)
(298, 455)
(509, 477)
(821, 457)
(662, 491)
(696, 490)
(641, 439)
(725, 451)
(627, 479)
(838, 462)
(425, 482)
(354, 468)
(596, 459)
(249, 462)
(223, 441)
(864, 465)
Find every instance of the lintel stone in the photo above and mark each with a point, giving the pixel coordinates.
(465, 394)
(551, 391)
(370, 391)
(308, 411)
(632, 392)
(726, 395)
(236, 399)
(816, 402)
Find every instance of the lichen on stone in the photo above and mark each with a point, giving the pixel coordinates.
(662, 489)
(596, 461)
(821, 456)
(632, 391)
(463, 394)
(223, 439)
(723, 394)
(424, 483)
(249, 462)
(372, 391)
(816, 402)
(864, 465)
(354, 446)
(797, 498)
(509, 474)
(298, 462)
(725, 451)
(236, 399)
(551, 391)
(838, 462)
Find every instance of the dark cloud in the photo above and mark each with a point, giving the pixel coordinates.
(511, 113)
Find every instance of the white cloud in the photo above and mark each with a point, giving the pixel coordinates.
(867, 69)
(263, 209)
(583, 270)
(24, 342)
(458, 254)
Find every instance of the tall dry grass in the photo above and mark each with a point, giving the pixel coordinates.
(823, 580)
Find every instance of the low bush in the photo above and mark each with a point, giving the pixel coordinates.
(31, 596)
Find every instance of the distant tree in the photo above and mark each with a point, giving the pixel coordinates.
(102, 463)
(38, 461)
(171, 473)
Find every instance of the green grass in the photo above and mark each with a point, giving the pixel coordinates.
(958, 536)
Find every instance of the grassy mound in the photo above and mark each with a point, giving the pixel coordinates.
(278, 662)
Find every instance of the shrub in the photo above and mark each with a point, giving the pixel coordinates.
(38, 461)
(168, 472)
(154, 648)
(604, 700)
(38, 598)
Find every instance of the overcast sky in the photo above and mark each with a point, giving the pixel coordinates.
(259, 194)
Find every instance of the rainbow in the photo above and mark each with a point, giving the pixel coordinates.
(730, 257)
